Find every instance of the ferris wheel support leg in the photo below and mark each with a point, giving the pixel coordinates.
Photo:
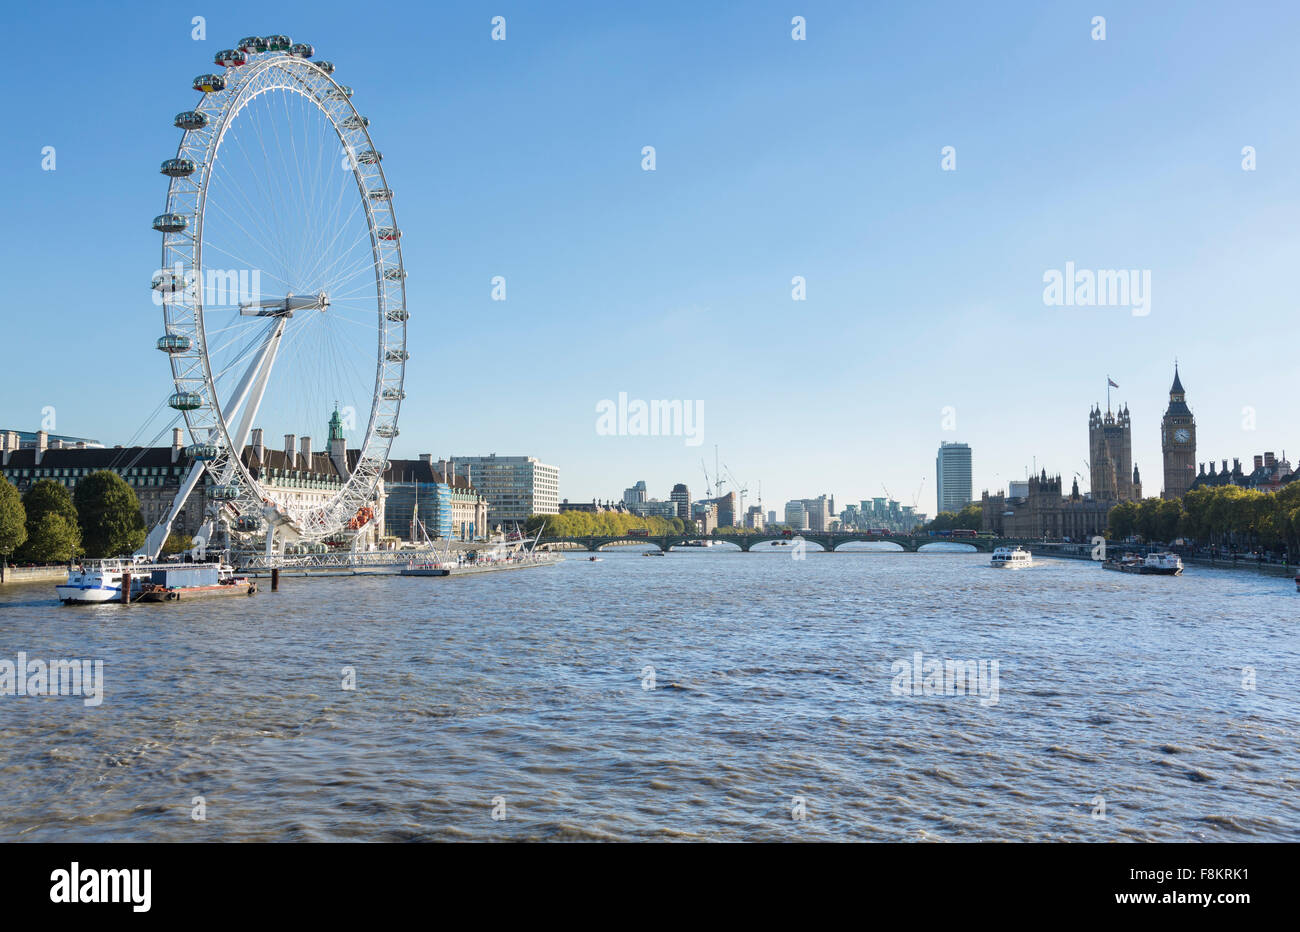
(249, 392)
(248, 395)
(153, 544)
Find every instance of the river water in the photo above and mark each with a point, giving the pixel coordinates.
(514, 706)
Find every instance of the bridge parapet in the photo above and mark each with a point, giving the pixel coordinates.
(827, 541)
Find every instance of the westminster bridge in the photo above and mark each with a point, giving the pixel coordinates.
(828, 541)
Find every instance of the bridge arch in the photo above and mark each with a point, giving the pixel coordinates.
(619, 542)
(948, 546)
(878, 545)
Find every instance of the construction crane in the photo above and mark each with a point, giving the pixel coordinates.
(708, 489)
(741, 487)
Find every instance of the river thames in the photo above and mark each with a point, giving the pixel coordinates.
(514, 706)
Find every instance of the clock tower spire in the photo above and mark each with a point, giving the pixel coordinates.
(1178, 441)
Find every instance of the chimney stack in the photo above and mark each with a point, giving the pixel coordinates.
(426, 458)
(259, 449)
(1269, 459)
(469, 482)
(8, 443)
(304, 459)
(1259, 461)
(178, 443)
(291, 451)
(42, 444)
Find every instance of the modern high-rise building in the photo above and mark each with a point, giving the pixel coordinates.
(771, 517)
(818, 512)
(1110, 455)
(705, 515)
(515, 486)
(728, 509)
(421, 502)
(754, 518)
(681, 496)
(953, 476)
(796, 515)
(635, 494)
(1178, 442)
(653, 508)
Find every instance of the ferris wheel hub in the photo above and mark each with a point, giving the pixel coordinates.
(284, 307)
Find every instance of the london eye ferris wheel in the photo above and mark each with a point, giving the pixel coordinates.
(282, 287)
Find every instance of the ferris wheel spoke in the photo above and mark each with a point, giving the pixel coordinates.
(261, 207)
(340, 225)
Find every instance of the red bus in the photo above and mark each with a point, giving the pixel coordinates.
(963, 532)
(639, 532)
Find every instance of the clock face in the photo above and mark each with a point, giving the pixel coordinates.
(1182, 435)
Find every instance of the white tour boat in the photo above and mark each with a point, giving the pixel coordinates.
(1011, 557)
(90, 583)
(1161, 564)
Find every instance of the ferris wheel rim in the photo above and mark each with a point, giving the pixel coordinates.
(290, 74)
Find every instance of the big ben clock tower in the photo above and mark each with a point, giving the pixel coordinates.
(1178, 442)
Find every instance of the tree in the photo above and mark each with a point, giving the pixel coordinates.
(53, 535)
(1168, 519)
(13, 519)
(1122, 520)
(177, 542)
(52, 539)
(970, 518)
(109, 514)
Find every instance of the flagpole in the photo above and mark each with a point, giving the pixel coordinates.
(1108, 394)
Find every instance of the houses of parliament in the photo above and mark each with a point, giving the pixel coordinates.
(1044, 511)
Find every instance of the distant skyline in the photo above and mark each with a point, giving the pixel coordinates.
(926, 290)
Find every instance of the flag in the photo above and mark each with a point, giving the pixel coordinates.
(1111, 384)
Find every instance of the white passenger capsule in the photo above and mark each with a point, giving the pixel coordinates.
(209, 83)
(178, 168)
(170, 223)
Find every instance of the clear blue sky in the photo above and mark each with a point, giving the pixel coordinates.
(775, 158)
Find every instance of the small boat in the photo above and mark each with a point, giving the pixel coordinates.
(1297, 582)
(92, 583)
(594, 559)
(1161, 564)
(1011, 558)
(193, 581)
(653, 553)
(101, 581)
(1128, 563)
(425, 569)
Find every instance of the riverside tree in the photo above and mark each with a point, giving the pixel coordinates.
(604, 524)
(1225, 515)
(53, 535)
(13, 519)
(109, 514)
(970, 518)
